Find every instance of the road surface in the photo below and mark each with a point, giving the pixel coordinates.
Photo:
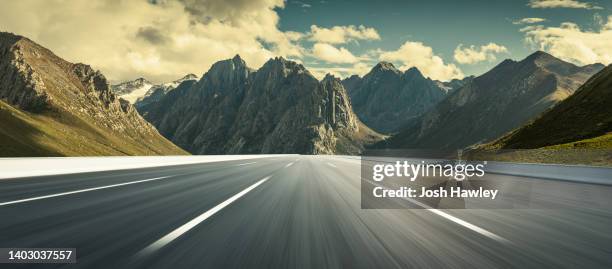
(284, 212)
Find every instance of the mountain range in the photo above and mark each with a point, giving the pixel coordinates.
(156, 92)
(488, 106)
(51, 107)
(279, 108)
(385, 98)
(134, 91)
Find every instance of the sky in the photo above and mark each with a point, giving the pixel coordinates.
(162, 40)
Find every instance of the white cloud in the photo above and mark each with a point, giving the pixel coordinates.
(561, 4)
(162, 41)
(472, 54)
(302, 4)
(332, 54)
(359, 68)
(571, 43)
(528, 20)
(342, 34)
(416, 54)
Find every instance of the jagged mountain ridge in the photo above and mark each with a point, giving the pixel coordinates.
(494, 103)
(454, 84)
(134, 91)
(386, 98)
(279, 108)
(51, 107)
(156, 92)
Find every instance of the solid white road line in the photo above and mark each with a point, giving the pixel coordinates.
(452, 218)
(332, 165)
(246, 163)
(289, 164)
(194, 222)
(79, 191)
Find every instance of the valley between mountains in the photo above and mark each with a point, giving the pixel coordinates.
(51, 107)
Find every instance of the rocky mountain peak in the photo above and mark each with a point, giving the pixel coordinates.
(8, 40)
(384, 67)
(386, 98)
(280, 64)
(238, 59)
(539, 55)
(228, 73)
(551, 63)
(228, 66)
(330, 77)
(413, 73)
(277, 70)
(187, 77)
(141, 81)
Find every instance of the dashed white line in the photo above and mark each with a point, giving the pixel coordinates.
(246, 163)
(79, 191)
(468, 225)
(289, 164)
(452, 218)
(332, 165)
(194, 222)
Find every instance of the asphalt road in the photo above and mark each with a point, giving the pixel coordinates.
(289, 212)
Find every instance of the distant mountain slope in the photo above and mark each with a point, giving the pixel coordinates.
(386, 98)
(280, 108)
(506, 97)
(132, 90)
(156, 92)
(585, 115)
(454, 84)
(50, 107)
(135, 91)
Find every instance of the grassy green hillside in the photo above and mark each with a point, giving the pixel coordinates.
(576, 131)
(584, 115)
(60, 134)
(600, 142)
(51, 107)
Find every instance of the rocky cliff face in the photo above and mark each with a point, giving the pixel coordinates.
(490, 105)
(280, 108)
(59, 100)
(386, 98)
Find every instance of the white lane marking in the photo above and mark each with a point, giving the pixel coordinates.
(289, 164)
(194, 222)
(79, 191)
(246, 163)
(468, 225)
(452, 218)
(332, 165)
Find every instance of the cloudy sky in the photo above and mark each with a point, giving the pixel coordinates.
(162, 40)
